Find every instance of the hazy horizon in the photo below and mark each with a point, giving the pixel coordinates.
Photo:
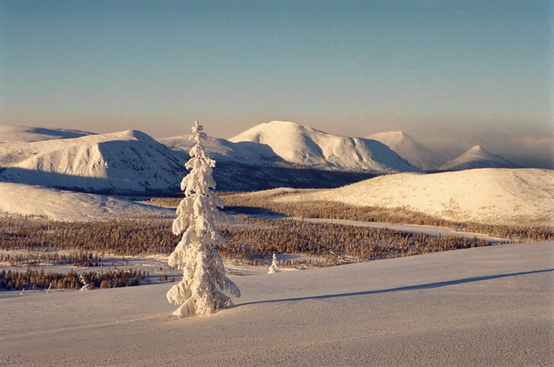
(449, 73)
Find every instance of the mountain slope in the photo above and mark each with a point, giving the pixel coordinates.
(220, 150)
(123, 162)
(409, 149)
(489, 195)
(70, 206)
(29, 134)
(477, 157)
(313, 148)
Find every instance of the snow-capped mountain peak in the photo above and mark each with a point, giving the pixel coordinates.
(127, 161)
(410, 149)
(477, 157)
(306, 146)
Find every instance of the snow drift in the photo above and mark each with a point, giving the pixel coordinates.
(477, 157)
(122, 162)
(410, 149)
(310, 147)
(495, 196)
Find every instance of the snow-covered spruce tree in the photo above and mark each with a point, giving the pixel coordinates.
(199, 292)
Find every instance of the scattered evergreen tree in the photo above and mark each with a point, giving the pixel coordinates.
(274, 267)
(199, 292)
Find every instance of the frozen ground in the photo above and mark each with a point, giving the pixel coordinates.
(489, 306)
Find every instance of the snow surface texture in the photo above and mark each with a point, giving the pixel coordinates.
(309, 147)
(489, 195)
(71, 206)
(122, 162)
(477, 157)
(409, 149)
(487, 306)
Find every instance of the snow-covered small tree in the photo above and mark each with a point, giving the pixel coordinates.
(200, 291)
(274, 267)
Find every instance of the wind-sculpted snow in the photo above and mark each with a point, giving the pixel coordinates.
(477, 157)
(493, 196)
(310, 147)
(123, 162)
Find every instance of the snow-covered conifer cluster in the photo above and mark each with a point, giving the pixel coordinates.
(199, 292)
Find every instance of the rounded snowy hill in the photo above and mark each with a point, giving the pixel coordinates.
(477, 157)
(410, 149)
(121, 162)
(310, 147)
(489, 195)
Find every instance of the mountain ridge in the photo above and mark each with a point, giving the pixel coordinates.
(310, 147)
(410, 149)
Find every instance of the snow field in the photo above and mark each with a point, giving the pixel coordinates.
(481, 307)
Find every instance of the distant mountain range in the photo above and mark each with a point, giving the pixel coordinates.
(269, 155)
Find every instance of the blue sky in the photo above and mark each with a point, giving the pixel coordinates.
(467, 68)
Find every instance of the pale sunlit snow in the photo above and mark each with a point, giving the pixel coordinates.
(487, 306)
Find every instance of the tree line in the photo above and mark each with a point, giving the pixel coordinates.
(39, 279)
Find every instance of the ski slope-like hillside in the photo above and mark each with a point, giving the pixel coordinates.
(489, 195)
(122, 162)
(488, 306)
(410, 149)
(71, 206)
(477, 157)
(309, 147)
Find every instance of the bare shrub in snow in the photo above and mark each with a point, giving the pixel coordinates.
(199, 292)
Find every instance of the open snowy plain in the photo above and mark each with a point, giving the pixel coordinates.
(489, 306)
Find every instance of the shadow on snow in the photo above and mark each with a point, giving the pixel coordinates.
(399, 289)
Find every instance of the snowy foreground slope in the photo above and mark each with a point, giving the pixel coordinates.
(489, 195)
(487, 306)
